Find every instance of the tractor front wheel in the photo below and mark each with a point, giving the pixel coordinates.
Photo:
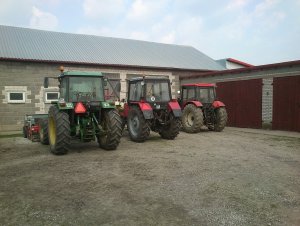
(221, 119)
(43, 131)
(112, 126)
(192, 119)
(59, 131)
(137, 125)
(171, 130)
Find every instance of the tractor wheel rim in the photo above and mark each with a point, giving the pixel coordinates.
(134, 124)
(52, 132)
(190, 119)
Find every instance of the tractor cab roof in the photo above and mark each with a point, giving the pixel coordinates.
(200, 85)
(149, 78)
(81, 73)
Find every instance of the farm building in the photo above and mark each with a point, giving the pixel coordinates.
(28, 55)
(255, 96)
(266, 96)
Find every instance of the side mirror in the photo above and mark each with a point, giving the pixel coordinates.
(46, 82)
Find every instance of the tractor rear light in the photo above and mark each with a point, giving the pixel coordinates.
(79, 108)
(62, 102)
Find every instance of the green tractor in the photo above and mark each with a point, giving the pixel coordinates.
(81, 113)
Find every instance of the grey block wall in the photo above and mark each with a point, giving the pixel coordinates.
(267, 103)
(18, 76)
(28, 77)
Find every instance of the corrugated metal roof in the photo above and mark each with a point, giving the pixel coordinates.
(31, 44)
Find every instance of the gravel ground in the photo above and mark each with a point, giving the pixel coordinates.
(236, 177)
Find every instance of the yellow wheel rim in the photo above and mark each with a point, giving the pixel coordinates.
(52, 131)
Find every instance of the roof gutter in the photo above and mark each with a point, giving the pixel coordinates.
(104, 65)
(244, 70)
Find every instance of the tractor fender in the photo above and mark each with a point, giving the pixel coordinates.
(146, 109)
(198, 104)
(218, 104)
(175, 108)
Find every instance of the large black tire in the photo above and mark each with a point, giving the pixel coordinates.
(112, 124)
(192, 119)
(59, 131)
(172, 130)
(43, 131)
(137, 125)
(221, 119)
(24, 132)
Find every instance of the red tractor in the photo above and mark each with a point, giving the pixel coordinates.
(149, 106)
(201, 107)
(31, 126)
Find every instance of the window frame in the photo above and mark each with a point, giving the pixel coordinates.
(46, 96)
(9, 100)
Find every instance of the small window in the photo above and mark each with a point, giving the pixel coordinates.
(16, 97)
(51, 96)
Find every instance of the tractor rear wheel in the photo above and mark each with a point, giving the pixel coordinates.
(172, 130)
(221, 119)
(112, 125)
(192, 119)
(137, 125)
(43, 131)
(25, 132)
(59, 131)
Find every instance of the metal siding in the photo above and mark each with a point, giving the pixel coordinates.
(243, 100)
(31, 44)
(286, 103)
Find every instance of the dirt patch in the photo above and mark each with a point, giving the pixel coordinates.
(234, 177)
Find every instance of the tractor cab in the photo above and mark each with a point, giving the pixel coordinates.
(153, 90)
(203, 92)
(80, 86)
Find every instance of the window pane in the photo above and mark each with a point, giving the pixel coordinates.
(191, 93)
(86, 89)
(207, 95)
(184, 94)
(52, 96)
(159, 90)
(135, 91)
(16, 96)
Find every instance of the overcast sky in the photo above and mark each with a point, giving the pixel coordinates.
(254, 31)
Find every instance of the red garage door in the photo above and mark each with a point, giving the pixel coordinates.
(243, 100)
(286, 103)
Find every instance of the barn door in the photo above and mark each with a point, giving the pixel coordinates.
(243, 100)
(286, 103)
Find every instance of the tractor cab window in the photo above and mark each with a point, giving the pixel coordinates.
(157, 91)
(135, 93)
(206, 95)
(85, 89)
(188, 93)
(63, 89)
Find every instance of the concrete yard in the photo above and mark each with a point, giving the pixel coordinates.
(236, 177)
